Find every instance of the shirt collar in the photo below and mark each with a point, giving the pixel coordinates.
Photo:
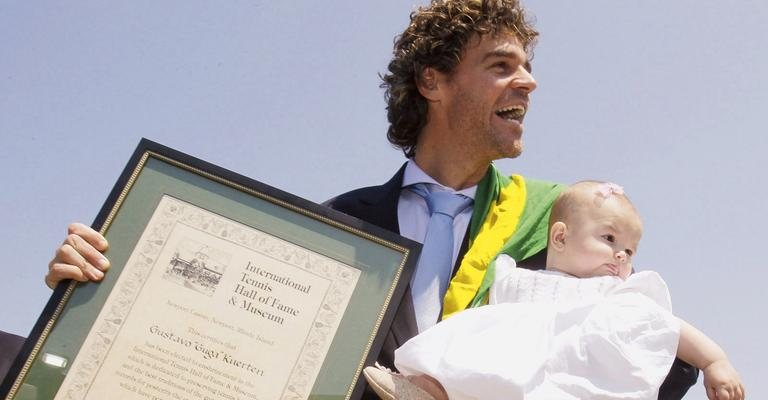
(414, 174)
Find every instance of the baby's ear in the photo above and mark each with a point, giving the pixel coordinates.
(557, 234)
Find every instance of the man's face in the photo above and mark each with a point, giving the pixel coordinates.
(486, 97)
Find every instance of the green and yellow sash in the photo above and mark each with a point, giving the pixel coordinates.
(510, 216)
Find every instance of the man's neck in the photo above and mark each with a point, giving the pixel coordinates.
(451, 170)
(449, 157)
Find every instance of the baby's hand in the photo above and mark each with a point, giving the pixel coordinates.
(722, 381)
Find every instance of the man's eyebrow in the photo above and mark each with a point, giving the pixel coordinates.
(507, 54)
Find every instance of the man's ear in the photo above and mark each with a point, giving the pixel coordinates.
(557, 234)
(428, 83)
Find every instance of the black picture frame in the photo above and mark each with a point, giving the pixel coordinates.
(155, 174)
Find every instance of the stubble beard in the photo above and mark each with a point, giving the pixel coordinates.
(479, 136)
(502, 144)
(516, 148)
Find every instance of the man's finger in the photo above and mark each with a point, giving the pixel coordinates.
(723, 394)
(58, 272)
(95, 239)
(711, 393)
(85, 251)
(69, 255)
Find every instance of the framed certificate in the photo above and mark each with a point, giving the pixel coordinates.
(221, 287)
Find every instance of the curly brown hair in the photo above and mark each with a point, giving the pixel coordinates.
(436, 38)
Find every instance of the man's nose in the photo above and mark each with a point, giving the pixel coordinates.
(524, 80)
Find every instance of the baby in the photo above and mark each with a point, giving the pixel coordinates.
(548, 335)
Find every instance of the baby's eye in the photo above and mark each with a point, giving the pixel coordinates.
(609, 238)
(629, 252)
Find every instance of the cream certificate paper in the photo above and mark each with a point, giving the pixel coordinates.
(210, 308)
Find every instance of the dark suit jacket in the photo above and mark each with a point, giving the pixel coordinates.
(10, 345)
(378, 205)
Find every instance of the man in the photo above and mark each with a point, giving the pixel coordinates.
(458, 89)
(457, 95)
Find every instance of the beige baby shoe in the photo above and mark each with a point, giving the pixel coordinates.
(390, 385)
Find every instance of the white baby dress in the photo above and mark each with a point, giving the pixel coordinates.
(548, 336)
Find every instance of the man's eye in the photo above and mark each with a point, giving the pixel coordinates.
(501, 66)
(609, 238)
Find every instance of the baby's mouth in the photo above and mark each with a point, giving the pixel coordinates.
(512, 113)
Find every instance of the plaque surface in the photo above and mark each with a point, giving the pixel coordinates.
(221, 287)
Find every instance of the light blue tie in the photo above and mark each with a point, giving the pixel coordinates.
(433, 271)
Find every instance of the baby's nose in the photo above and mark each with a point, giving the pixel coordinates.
(621, 256)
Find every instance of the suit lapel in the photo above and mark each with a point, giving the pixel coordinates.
(379, 206)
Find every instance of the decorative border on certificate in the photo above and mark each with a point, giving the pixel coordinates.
(241, 301)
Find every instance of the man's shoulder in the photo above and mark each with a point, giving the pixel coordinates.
(354, 197)
(532, 185)
(368, 195)
(542, 184)
(373, 204)
(540, 189)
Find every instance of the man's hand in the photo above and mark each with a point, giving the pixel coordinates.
(722, 381)
(79, 257)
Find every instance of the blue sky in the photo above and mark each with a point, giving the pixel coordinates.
(664, 98)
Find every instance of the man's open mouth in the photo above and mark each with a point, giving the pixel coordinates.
(512, 113)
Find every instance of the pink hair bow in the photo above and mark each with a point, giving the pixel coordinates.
(608, 188)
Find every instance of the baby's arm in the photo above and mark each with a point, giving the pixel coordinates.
(720, 378)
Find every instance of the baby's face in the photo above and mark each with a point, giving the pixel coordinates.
(602, 240)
